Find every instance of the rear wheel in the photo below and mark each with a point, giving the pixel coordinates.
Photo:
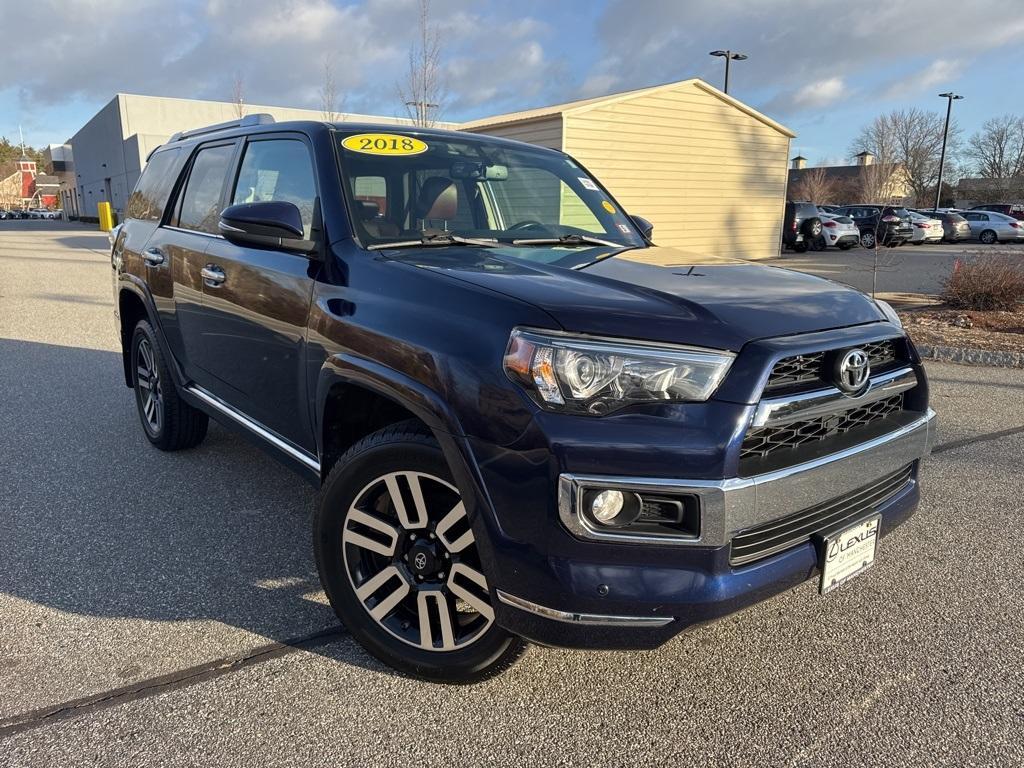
(169, 422)
(399, 562)
(988, 237)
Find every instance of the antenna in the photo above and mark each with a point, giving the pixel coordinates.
(21, 135)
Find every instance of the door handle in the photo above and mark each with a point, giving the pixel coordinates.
(213, 276)
(153, 257)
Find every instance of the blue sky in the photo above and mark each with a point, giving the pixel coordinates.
(822, 67)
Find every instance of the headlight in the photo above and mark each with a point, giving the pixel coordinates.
(596, 376)
(889, 312)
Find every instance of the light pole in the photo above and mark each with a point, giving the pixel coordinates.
(729, 56)
(950, 97)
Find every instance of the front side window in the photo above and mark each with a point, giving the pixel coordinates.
(403, 185)
(200, 204)
(278, 169)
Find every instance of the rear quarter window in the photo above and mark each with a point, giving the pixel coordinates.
(149, 199)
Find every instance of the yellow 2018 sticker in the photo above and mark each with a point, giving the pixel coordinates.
(384, 144)
(608, 206)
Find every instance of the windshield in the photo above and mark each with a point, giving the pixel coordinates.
(404, 184)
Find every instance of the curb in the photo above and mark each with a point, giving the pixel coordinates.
(967, 356)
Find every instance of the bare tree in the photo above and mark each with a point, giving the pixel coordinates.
(423, 91)
(330, 102)
(910, 139)
(997, 150)
(816, 186)
(238, 95)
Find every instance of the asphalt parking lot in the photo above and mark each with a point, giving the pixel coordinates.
(164, 609)
(913, 269)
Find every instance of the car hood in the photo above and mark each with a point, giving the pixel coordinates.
(656, 293)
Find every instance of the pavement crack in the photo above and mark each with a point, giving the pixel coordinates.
(154, 686)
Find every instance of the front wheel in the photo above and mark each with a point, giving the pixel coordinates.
(867, 239)
(398, 559)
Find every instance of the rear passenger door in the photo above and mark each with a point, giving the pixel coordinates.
(255, 311)
(182, 244)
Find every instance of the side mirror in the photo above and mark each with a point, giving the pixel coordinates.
(645, 227)
(275, 224)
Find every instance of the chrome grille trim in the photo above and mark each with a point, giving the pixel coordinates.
(799, 371)
(776, 411)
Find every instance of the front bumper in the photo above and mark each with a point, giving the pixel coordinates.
(651, 592)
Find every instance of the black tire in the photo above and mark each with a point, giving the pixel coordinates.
(177, 425)
(868, 239)
(988, 237)
(811, 228)
(353, 507)
(919, 242)
(800, 247)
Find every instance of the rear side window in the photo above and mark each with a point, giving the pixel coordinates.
(151, 193)
(278, 169)
(200, 205)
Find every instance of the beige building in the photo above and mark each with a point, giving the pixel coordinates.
(707, 170)
(866, 181)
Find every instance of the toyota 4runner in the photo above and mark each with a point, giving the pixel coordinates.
(528, 423)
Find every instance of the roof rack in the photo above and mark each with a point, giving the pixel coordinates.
(260, 118)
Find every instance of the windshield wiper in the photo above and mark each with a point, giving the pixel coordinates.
(432, 237)
(569, 240)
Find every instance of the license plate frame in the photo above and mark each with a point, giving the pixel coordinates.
(848, 552)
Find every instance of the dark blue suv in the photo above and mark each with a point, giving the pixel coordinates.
(528, 422)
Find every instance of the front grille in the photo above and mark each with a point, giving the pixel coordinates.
(786, 532)
(763, 442)
(799, 371)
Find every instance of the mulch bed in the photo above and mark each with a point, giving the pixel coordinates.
(945, 327)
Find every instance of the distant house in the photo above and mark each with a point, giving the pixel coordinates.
(979, 191)
(26, 189)
(852, 182)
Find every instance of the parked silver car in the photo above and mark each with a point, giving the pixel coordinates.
(991, 227)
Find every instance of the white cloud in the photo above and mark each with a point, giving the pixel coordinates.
(939, 73)
(820, 93)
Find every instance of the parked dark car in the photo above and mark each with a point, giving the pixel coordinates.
(801, 226)
(526, 420)
(1010, 209)
(882, 224)
(954, 226)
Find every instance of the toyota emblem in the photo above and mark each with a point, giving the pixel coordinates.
(419, 561)
(853, 370)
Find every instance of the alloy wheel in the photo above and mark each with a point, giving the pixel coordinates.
(867, 240)
(150, 392)
(412, 561)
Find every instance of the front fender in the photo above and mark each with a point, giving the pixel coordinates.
(431, 409)
(127, 282)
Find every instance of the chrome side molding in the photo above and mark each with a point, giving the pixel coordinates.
(590, 619)
(777, 411)
(253, 426)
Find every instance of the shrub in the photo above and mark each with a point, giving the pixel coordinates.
(988, 283)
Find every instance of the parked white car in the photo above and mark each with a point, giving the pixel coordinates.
(926, 229)
(991, 227)
(838, 230)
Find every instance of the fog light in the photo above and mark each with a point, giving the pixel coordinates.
(606, 505)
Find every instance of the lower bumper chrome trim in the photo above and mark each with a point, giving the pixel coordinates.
(590, 619)
(737, 504)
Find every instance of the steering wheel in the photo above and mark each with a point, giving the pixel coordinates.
(527, 224)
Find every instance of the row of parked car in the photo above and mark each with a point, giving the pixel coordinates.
(29, 213)
(807, 226)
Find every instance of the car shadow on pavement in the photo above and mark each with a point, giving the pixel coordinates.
(99, 523)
